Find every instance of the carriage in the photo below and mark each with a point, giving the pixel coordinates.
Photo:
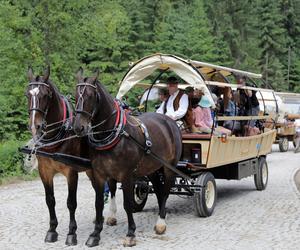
(289, 112)
(205, 157)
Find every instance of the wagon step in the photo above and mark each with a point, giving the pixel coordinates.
(73, 161)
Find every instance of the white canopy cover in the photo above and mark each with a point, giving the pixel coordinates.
(146, 66)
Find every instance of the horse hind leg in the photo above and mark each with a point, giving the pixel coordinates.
(111, 219)
(128, 205)
(71, 239)
(161, 226)
(47, 179)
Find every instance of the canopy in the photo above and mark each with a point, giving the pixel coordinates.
(146, 66)
(225, 71)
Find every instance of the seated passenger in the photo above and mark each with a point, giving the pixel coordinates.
(202, 116)
(232, 110)
(176, 106)
(249, 103)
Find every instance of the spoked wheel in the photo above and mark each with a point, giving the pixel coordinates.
(262, 175)
(205, 198)
(140, 195)
(283, 144)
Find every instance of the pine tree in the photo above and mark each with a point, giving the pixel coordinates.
(272, 43)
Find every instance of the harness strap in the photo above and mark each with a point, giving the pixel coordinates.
(144, 130)
(65, 126)
(156, 157)
(111, 140)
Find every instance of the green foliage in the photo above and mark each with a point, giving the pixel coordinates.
(108, 34)
(11, 161)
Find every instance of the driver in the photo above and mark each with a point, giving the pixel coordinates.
(177, 105)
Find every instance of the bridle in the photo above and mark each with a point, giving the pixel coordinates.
(80, 100)
(34, 106)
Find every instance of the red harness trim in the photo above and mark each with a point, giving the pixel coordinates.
(64, 109)
(118, 138)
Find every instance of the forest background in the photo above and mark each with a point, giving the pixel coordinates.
(262, 36)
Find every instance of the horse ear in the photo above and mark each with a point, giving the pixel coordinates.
(96, 75)
(46, 74)
(79, 75)
(30, 75)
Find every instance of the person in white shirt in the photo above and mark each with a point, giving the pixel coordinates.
(177, 105)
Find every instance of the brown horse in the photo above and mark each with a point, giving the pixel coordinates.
(118, 150)
(50, 117)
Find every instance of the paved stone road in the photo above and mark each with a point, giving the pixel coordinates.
(243, 219)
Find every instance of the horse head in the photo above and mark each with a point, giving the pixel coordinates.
(87, 102)
(39, 95)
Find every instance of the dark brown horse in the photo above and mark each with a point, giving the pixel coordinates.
(118, 150)
(50, 117)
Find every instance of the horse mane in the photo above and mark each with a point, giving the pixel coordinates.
(102, 88)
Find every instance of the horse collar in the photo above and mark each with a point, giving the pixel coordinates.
(115, 135)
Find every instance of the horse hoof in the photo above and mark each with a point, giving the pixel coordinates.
(71, 240)
(92, 241)
(129, 242)
(51, 237)
(160, 229)
(111, 221)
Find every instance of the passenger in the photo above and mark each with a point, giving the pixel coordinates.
(249, 103)
(176, 106)
(232, 110)
(163, 94)
(204, 120)
(202, 116)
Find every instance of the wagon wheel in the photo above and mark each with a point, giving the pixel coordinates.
(205, 199)
(283, 144)
(140, 195)
(294, 141)
(262, 175)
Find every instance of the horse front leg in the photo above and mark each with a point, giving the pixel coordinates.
(98, 185)
(111, 219)
(72, 178)
(47, 179)
(128, 195)
(161, 225)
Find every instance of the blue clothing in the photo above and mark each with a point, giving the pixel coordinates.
(106, 188)
(231, 109)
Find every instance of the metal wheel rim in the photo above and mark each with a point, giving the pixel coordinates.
(209, 194)
(285, 143)
(139, 196)
(264, 173)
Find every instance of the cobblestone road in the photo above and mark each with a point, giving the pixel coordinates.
(243, 219)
